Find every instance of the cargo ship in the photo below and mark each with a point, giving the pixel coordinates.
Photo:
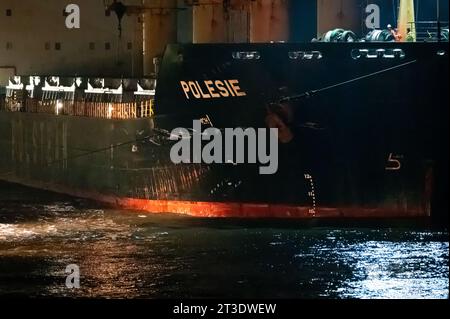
(363, 131)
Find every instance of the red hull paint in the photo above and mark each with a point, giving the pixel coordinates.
(227, 210)
(249, 210)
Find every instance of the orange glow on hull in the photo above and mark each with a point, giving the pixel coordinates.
(230, 210)
(248, 210)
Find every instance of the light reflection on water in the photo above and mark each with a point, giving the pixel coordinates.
(127, 255)
(397, 270)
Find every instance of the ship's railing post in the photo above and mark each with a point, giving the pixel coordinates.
(438, 16)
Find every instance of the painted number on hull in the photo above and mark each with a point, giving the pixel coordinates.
(311, 194)
(394, 163)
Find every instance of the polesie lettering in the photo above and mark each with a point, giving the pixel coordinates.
(212, 89)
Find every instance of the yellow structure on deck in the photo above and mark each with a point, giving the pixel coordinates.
(406, 19)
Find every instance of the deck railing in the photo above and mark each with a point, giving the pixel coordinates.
(428, 31)
(107, 110)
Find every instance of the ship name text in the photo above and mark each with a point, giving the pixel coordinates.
(212, 89)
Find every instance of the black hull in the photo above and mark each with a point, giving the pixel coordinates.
(375, 147)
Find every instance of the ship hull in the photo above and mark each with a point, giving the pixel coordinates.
(373, 147)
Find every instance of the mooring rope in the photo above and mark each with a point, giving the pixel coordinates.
(312, 92)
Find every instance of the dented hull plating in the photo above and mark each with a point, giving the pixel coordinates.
(374, 147)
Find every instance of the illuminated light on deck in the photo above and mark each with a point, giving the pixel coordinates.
(59, 106)
(141, 91)
(110, 110)
(103, 90)
(15, 83)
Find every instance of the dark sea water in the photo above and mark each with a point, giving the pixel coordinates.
(127, 254)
